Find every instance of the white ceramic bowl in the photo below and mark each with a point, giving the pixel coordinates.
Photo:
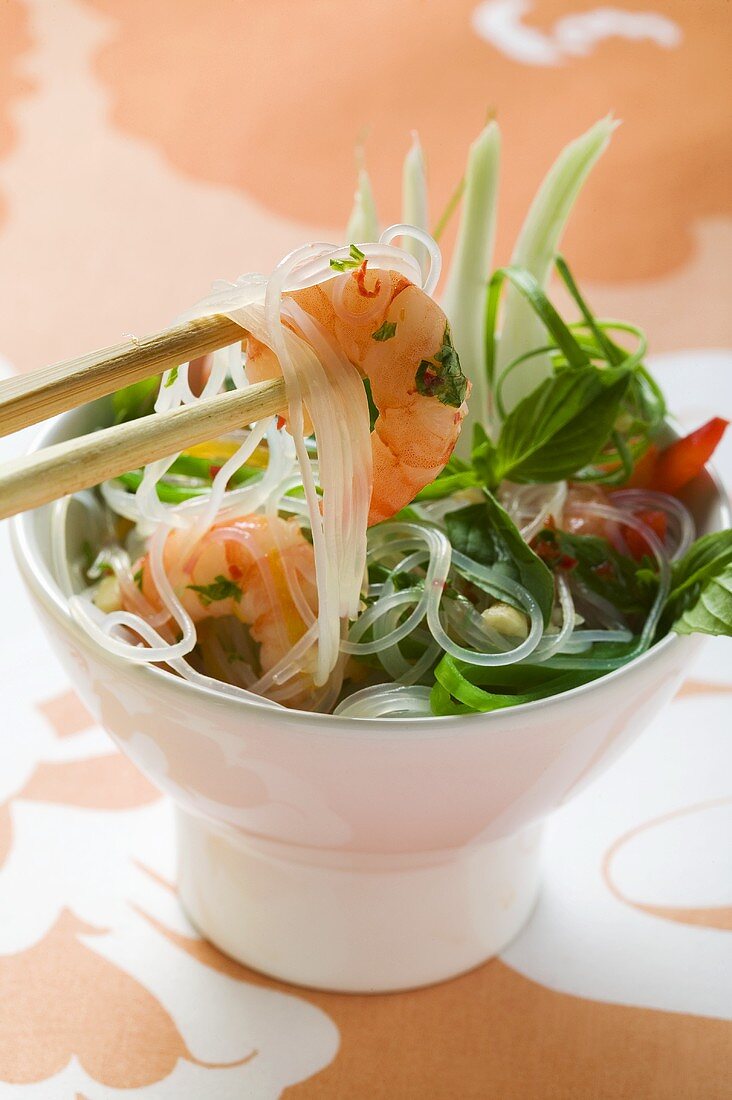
(343, 854)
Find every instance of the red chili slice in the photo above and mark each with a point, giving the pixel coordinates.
(672, 469)
(360, 277)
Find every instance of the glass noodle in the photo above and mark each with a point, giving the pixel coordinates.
(391, 600)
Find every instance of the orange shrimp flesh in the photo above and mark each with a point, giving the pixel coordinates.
(246, 568)
(398, 338)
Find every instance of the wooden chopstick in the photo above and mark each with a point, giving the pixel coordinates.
(64, 468)
(30, 398)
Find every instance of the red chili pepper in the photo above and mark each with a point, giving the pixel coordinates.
(280, 423)
(430, 378)
(360, 277)
(235, 571)
(644, 469)
(605, 570)
(635, 542)
(546, 547)
(545, 550)
(213, 470)
(567, 562)
(680, 463)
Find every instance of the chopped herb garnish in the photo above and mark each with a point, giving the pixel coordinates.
(443, 378)
(387, 330)
(221, 589)
(172, 377)
(595, 562)
(137, 578)
(373, 410)
(357, 258)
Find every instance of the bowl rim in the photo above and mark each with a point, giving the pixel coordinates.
(46, 588)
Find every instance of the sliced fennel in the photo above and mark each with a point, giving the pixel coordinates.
(464, 295)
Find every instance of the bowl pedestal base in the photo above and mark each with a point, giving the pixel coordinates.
(352, 922)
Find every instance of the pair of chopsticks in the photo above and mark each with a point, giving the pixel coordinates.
(65, 468)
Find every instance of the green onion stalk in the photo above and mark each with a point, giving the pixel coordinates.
(464, 296)
(414, 197)
(534, 252)
(363, 224)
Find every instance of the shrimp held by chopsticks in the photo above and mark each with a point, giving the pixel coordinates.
(399, 340)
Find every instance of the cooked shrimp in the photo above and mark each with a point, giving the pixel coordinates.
(580, 522)
(398, 338)
(256, 568)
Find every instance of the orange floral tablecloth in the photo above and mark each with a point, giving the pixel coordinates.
(151, 146)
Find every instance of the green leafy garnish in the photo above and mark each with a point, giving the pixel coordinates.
(172, 378)
(629, 585)
(450, 207)
(442, 377)
(387, 330)
(534, 251)
(461, 688)
(712, 613)
(561, 426)
(137, 577)
(448, 483)
(700, 600)
(373, 410)
(487, 534)
(356, 259)
(628, 419)
(221, 589)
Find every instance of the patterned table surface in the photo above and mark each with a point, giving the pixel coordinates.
(149, 147)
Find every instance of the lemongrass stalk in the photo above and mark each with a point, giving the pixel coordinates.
(363, 224)
(535, 250)
(464, 297)
(414, 197)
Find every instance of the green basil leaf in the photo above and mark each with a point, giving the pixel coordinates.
(712, 613)
(700, 600)
(707, 557)
(484, 457)
(446, 484)
(560, 427)
(487, 534)
(442, 377)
